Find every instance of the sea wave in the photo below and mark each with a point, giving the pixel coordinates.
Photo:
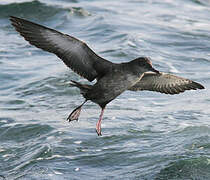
(193, 168)
(37, 10)
(32, 9)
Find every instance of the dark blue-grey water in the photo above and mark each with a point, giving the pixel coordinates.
(146, 135)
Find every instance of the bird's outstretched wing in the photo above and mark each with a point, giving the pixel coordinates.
(165, 83)
(73, 52)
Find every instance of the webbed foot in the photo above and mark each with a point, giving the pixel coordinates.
(75, 114)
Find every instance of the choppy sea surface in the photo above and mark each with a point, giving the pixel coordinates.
(146, 135)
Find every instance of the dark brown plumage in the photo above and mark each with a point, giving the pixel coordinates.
(112, 79)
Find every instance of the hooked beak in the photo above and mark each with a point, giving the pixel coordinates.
(154, 70)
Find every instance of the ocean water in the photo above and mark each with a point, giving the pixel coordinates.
(146, 135)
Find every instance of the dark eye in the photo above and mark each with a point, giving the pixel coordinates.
(143, 64)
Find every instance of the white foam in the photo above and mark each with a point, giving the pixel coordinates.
(77, 142)
(132, 99)
(98, 150)
(6, 155)
(3, 121)
(57, 172)
(14, 1)
(113, 117)
(130, 43)
(2, 150)
(51, 157)
(54, 156)
(50, 137)
(76, 169)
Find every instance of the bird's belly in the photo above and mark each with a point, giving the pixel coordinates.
(105, 91)
(104, 95)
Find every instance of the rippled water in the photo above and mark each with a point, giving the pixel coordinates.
(146, 135)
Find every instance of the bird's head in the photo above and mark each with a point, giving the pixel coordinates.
(143, 64)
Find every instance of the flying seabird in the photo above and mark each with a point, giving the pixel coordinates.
(112, 78)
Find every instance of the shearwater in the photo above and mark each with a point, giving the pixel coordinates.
(112, 79)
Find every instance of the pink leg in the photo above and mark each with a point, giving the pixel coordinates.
(98, 125)
(75, 113)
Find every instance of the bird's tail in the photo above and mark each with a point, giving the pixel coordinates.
(84, 88)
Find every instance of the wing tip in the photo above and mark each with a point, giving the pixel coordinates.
(14, 19)
(198, 85)
(16, 22)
